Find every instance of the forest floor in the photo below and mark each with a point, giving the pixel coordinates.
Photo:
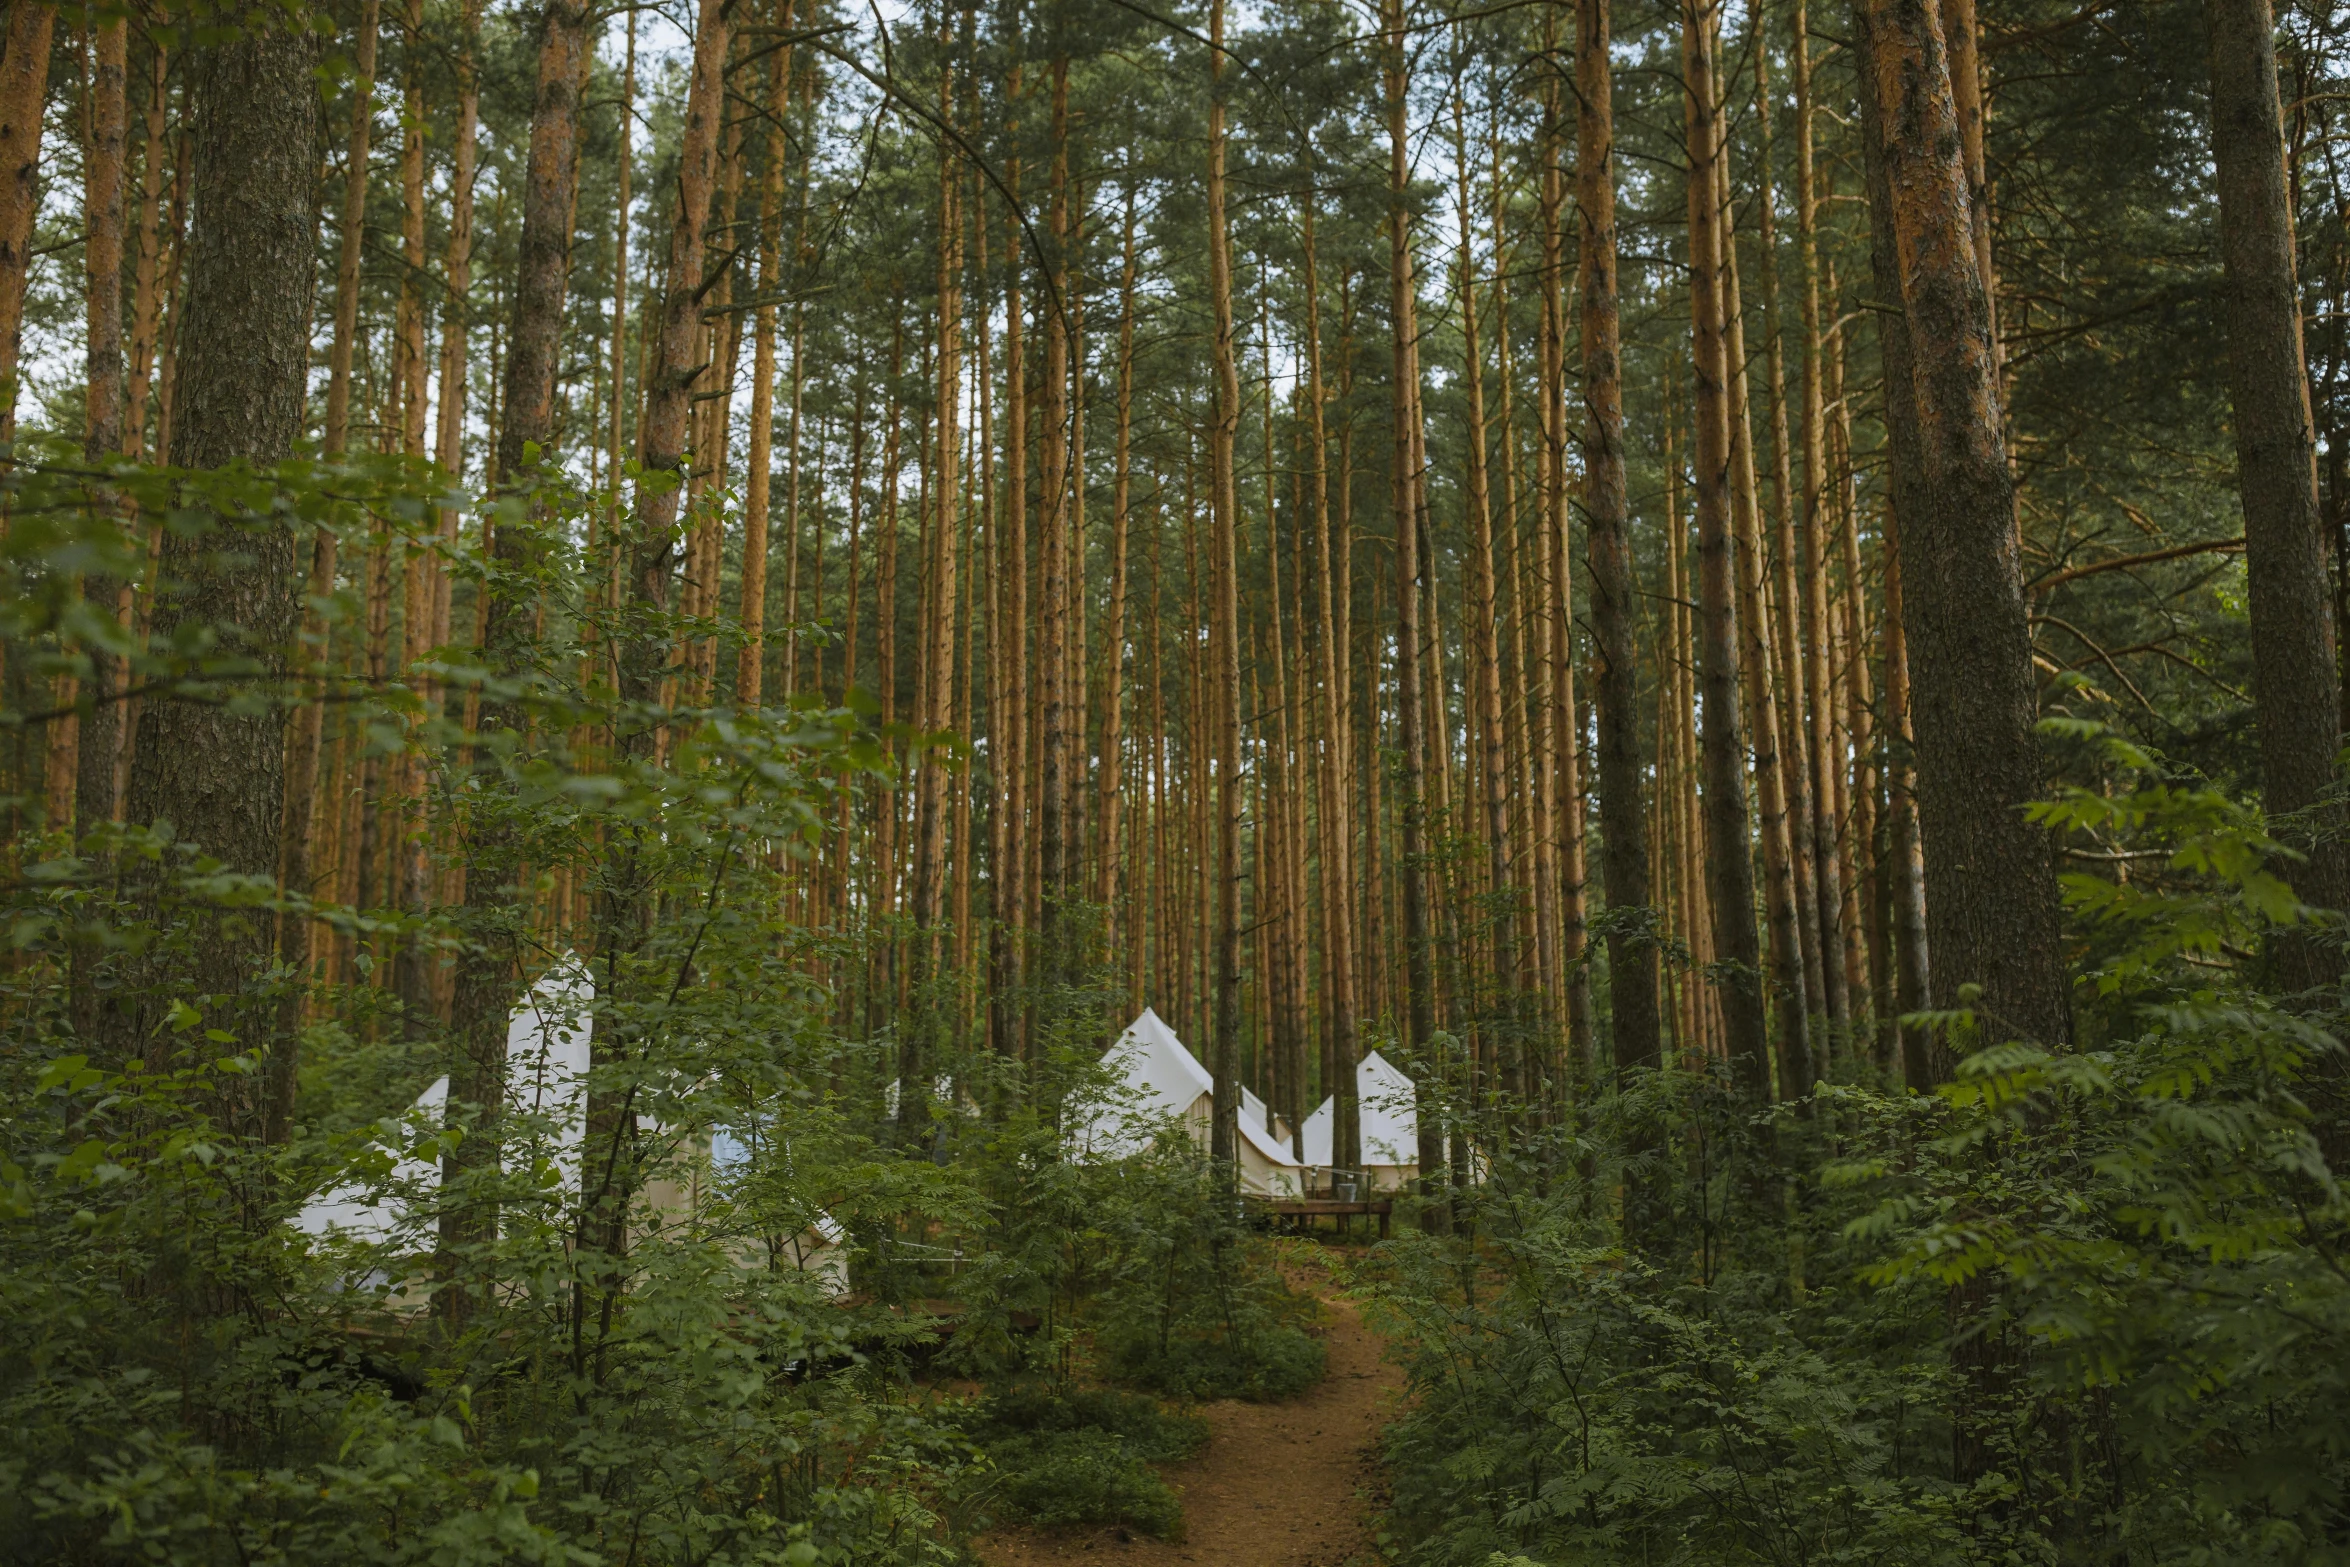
(1278, 1485)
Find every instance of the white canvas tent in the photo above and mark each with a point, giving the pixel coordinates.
(1391, 1125)
(546, 1078)
(1159, 1078)
(546, 1075)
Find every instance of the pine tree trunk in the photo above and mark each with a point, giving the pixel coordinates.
(1053, 570)
(1729, 862)
(1106, 891)
(352, 246)
(750, 670)
(217, 772)
(1991, 895)
(2294, 684)
(550, 186)
(1758, 685)
(96, 732)
(625, 905)
(1615, 611)
(24, 105)
(1503, 902)
(1224, 499)
(1333, 669)
(1420, 979)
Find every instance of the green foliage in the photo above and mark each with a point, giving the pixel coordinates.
(2112, 1273)
(1063, 1478)
(486, 1374)
(1066, 1456)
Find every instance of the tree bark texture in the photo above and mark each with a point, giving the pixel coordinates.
(2295, 686)
(1991, 892)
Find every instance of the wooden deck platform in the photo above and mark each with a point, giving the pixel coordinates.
(1301, 1212)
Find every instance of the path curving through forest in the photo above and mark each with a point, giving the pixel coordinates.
(1278, 1485)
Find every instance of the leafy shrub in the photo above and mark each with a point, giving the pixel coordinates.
(2109, 1277)
(1069, 1456)
(1275, 1362)
(1036, 1408)
(1089, 1476)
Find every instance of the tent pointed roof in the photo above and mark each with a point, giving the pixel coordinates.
(1390, 1118)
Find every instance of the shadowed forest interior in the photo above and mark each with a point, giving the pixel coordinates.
(652, 658)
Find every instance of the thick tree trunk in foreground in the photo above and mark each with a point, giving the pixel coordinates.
(2293, 675)
(217, 772)
(1990, 889)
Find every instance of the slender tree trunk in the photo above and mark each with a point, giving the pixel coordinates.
(1925, 1057)
(1332, 590)
(24, 105)
(146, 277)
(917, 1058)
(2295, 686)
(352, 245)
(1225, 501)
(1420, 979)
(1483, 630)
(750, 670)
(1053, 567)
(1114, 640)
(1729, 862)
(550, 188)
(97, 730)
(1615, 611)
(1758, 688)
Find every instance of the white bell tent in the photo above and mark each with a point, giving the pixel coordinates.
(1159, 1079)
(546, 1082)
(546, 1076)
(1391, 1125)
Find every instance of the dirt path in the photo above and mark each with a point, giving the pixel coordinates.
(1278, 1485)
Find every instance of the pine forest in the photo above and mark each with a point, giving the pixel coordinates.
(1339, 781)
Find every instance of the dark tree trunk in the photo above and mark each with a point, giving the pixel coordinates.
(488, 977)
(1729, 857)
(1615, 609)
(217, 771)
(2293, 677)
(1990, 888)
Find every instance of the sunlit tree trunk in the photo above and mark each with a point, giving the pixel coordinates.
(24, 105)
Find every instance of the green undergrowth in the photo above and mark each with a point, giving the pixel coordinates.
(1067, 1457)
(1278, 1362)
(1237, 1332)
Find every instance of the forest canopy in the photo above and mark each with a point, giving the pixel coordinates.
(1748, 595)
